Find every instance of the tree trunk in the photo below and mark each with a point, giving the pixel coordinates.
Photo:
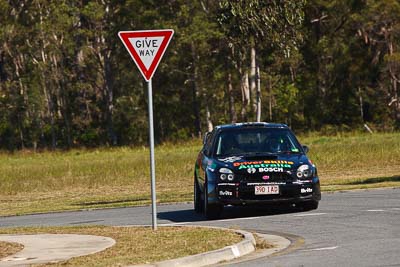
(109, 95)
(361, 104)
(198, 88)
(64, 100)
(393, 80)
(44, 80)
(21, 134)
(195, 92)
(258, 96)
(253, 78)
(50, 109)
(244, 86)
(270, 98)
(196, 109)
(232, 111)
(208, 118)
(22, 99)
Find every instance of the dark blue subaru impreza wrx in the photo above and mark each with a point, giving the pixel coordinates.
(253, 163)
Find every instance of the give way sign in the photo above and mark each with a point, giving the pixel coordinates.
(146, 48)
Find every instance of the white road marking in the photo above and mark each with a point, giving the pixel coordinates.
(223, 220)
(237, 219)
(375, 210)
(382, 210)
(321, 249)
(309, 214)
(15, 259)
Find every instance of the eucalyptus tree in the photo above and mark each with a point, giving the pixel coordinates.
(20, 78)
(378, 27)
(253, 23)
(199, 34)
(99, 36)
(13, 89)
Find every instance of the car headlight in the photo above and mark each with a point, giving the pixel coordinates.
(226, 174)
(304, 171)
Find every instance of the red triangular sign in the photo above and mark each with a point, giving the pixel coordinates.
(146, 48)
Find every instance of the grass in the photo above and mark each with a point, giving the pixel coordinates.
(117, 177)
(262, 243)
(355, 157)
(140, 245)
(9, 248)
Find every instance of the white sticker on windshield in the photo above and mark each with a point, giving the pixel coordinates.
(231, 159)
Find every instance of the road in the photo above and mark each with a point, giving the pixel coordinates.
(355, 228)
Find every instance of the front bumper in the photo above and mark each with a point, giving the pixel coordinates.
(289, 192)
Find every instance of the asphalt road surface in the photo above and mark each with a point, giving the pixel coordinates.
(357, 228)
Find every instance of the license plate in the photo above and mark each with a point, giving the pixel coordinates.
(266, 189)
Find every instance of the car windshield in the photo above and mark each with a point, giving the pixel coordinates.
(256, 141)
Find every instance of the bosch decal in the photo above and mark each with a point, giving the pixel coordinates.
(270, 169)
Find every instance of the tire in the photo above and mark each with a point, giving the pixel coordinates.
(211, 211)
(198, 207)
(309, 205)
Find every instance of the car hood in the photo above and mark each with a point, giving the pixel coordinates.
(269, 163)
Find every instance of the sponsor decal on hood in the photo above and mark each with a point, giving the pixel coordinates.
(230, 159)
(263, 164)
(254, 170)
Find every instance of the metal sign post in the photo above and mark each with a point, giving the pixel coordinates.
(152, 161)
(146, 49)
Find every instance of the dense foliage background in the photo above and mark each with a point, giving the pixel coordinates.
(66, 80)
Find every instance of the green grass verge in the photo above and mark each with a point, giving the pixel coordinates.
(140, 245)
(118, 177)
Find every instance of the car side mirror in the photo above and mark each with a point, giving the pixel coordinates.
(306, 149)
(205, 138)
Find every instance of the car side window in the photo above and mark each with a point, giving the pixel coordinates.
(208, 144)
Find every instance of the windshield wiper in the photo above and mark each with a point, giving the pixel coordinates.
(289, 152)
(259, 153)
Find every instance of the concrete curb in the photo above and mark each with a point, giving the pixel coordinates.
(45, 248)
(238, 252)
(228, 253)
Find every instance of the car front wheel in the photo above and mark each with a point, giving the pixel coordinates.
(211, 211)
(197, 198)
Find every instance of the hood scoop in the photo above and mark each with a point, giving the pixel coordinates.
(261, 156)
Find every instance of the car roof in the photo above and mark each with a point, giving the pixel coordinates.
(251, 125)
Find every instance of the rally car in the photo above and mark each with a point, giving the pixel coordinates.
(253, 163)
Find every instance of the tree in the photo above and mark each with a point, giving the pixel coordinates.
(378, 26)
(251, 23)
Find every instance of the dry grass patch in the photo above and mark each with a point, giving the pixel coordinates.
(9, 248)
(138, 245)
(261, 243)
